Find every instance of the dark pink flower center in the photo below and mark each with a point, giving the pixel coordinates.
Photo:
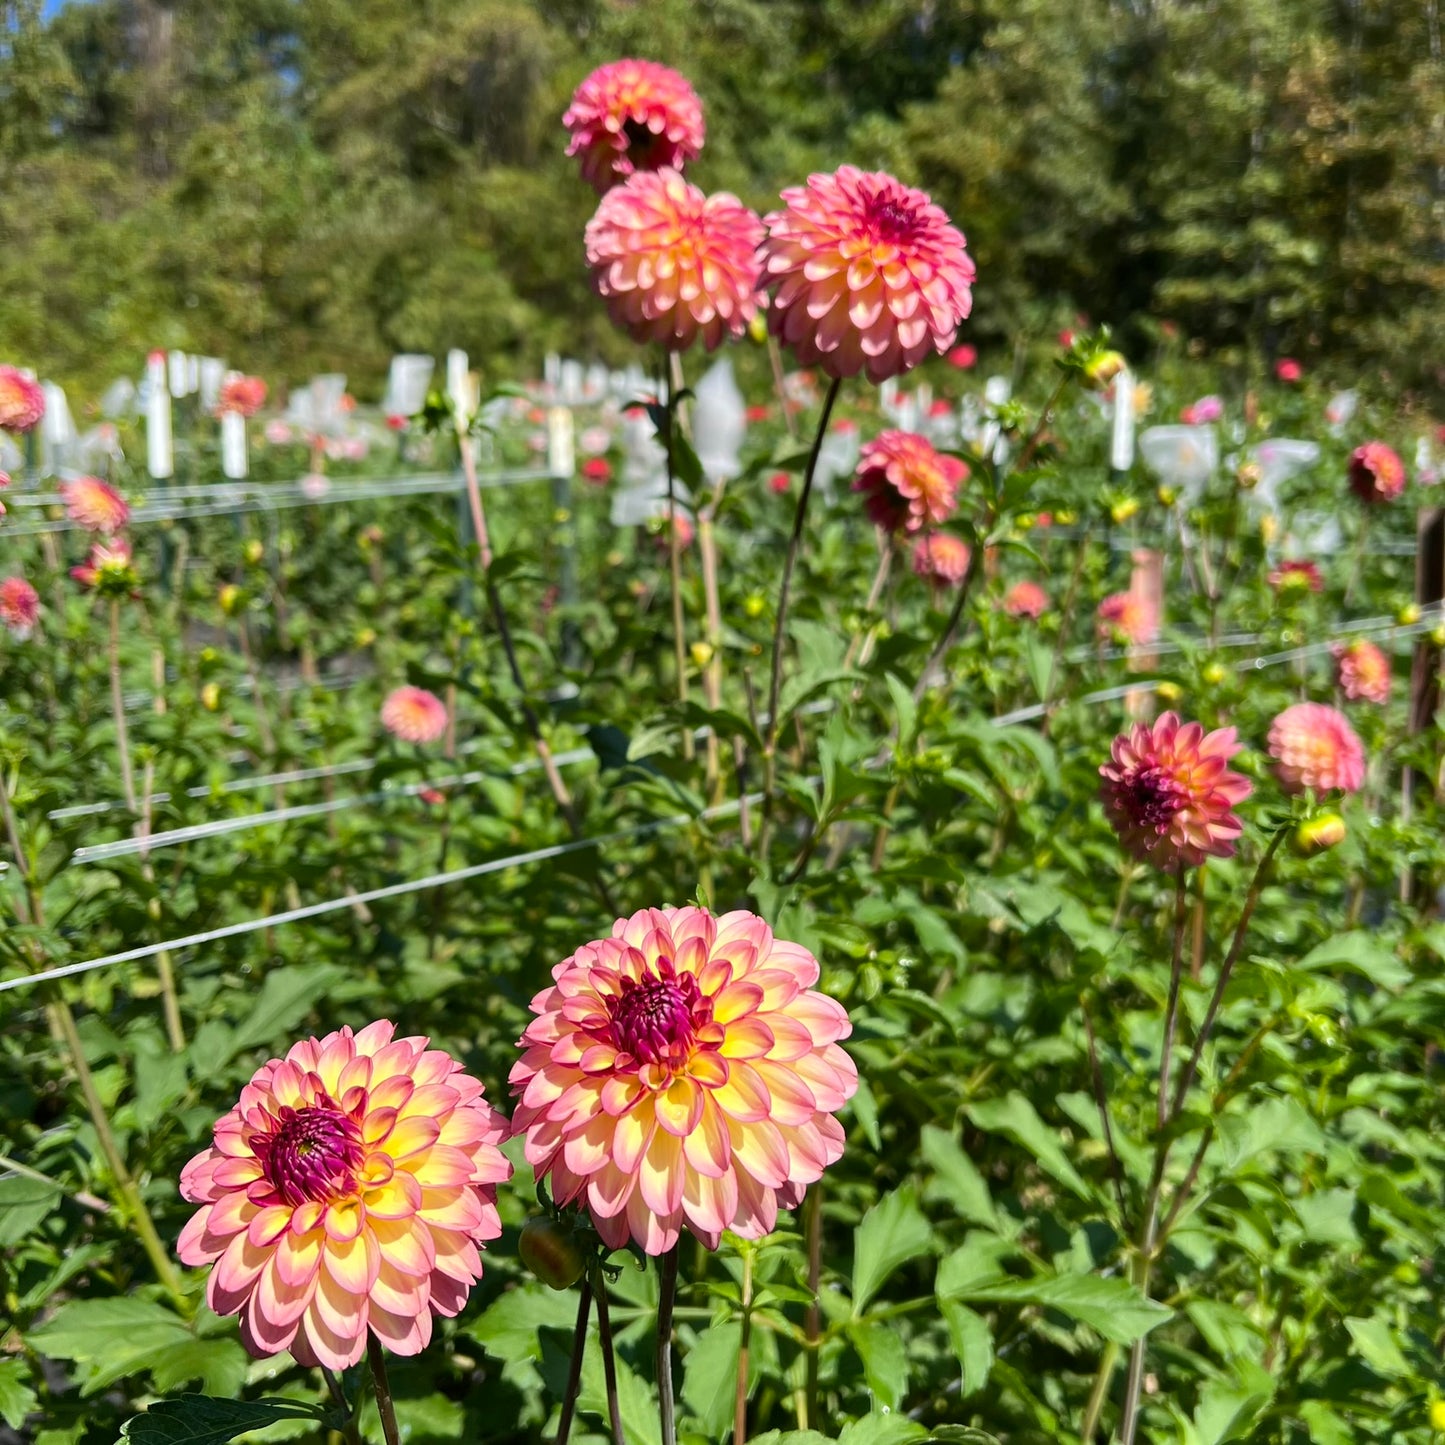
(653, 1020)
(1152, 798)
(313, 1154)
(646, 148)
(892, 220)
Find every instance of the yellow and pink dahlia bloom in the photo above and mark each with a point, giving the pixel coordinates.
(349, 1191)
(19, 607)
(109, 569)
(1314, 747)
(1170, 795)
(907, 484)
(683, 1074)
(870, 275)
(22, 401)
(632, 116)
(1376, 473)
(1362, 671)
(941, 559)
(673, 264)
(1128, 619)
(94, 505)
(1026, 599)
(244, 395)
(414, 715)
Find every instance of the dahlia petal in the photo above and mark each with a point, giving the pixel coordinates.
(758, 1148)
(660, 1174)
(656, 1234)
(194, 1245)
(401, 1334)
(343, 1220)
(268, 1225)
(411, 1136)
(744, 1097)
(452, 1209)
(406, 1248)
(707, 1148)
(335, 1351)
(262, 1336)
(632, 1134)
(793, 1101)
(398, 1199)
(710, 1202)
(298, 1256)
(588, 1150)
(679, 1106)
(235, 1275)
(280, 1302)
(353, 1263)
(747, 1038)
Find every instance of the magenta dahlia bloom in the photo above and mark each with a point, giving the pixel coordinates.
(1362, 671)
(683, 1074)
(673, 264)
(907, 484)
(1314, 747)
(870, 274)
(1170, 795)
(632, 116)
(19, 607)
(941, 559)
(1376, 473)
(414, 715)
(22, 401)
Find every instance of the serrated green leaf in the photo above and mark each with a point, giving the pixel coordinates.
(205, 1420)
(959, 1184)
(1113, 1307)
(17, 1399)
(893, 1231)
(1017, 1118)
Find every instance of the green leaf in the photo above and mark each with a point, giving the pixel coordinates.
(972, 1343)
(893, 1231)
(1363, 953)
(881, 1428)
(17, 1399)
(509, 1327)
(636, 1400)
(24, 1204)
(205, 1420)
(1017, 1118)
(286, 997)
(1275, 1126)
(1113, 1307)
(1377, 1346)
(111, 1338)
(885, 1361)
(959, 1184)
(710, 1378)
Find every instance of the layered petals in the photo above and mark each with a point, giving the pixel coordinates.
(1314, 747)
(414, 715)
(907, 485)
(632, 116)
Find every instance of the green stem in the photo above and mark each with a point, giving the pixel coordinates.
(385, 1408)
(574, 1370)
(609, 1358)
(1108, 1363)
(666, 1298)
(745, 1326)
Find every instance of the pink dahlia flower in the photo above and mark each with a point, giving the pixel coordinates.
(683, 1073)
(1203, 411)
(941, 559)
(347, 1191)
(870, 275)
(632, 116)
(1314, 746)
(1170, 795)
(1362, 671)
(1376, 473)
(673, 264)
(1026, 599)
(906, 483)
(94, 505)
(22, 401)
(1288, 370)
(963, 357)
(19, 607)
(245, 395)
(1296, 576)
(1128, 619)
(414, 715)
(109, 569)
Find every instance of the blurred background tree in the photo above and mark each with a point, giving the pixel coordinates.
(302, 185)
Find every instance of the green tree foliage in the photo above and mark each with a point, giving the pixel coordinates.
(302, 184)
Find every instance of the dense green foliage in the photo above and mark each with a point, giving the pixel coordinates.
(305, 185)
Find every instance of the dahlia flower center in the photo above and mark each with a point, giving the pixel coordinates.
(892, 221)
(313, 1155)
(646, 147)
(654, 1020)
(1154, 798)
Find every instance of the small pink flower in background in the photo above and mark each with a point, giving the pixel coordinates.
(1066, 338)
(941, 559)
(672, 264)
(683, 1074)
(314, 486)
(1287, 369)
(348, 1191)
(869, 274)
(1127, 618)
(1044, 519)
(685, 531)
(758, 413)
(19, 607)
(109, 569)
(632, 116)
(22, 401)
(414, 715)
(94, 505)
(1170, 795)
(594, 440)
(965, 358)
(1026, 599)
(1296, 575)
(279, 433)
(906, 483)
(395, 421)
(244, 395)
(781, 483)
(1376, 473)
(1314, 746)
(1362, 671)
(4, 482)
(432, 797)
(597, 470)
(940, 408)
(1203, 411)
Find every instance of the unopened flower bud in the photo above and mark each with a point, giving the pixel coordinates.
(231, 598)
(753, 604)
(1408, 615)
(254, 551)
(1123, 509)
(1247, 475)
(153, 909)
(758, 328)
(701, 653)
(1102, 368)
(1167, 496)
(1169, 691)
(1317, 834)
(1214, 673)
(211, 696)
(550, 1249)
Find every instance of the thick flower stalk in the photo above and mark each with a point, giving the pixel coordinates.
(94, 505)
(414, 715)
(907, 484)
(869, 274)
(1376, 473)
(19, 607)
(632, 116)
(683, 1074)
(1314, 747)
(672, 264)
(22, 401)
(1362, 671)
(348, 1191)
(1170, 795)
